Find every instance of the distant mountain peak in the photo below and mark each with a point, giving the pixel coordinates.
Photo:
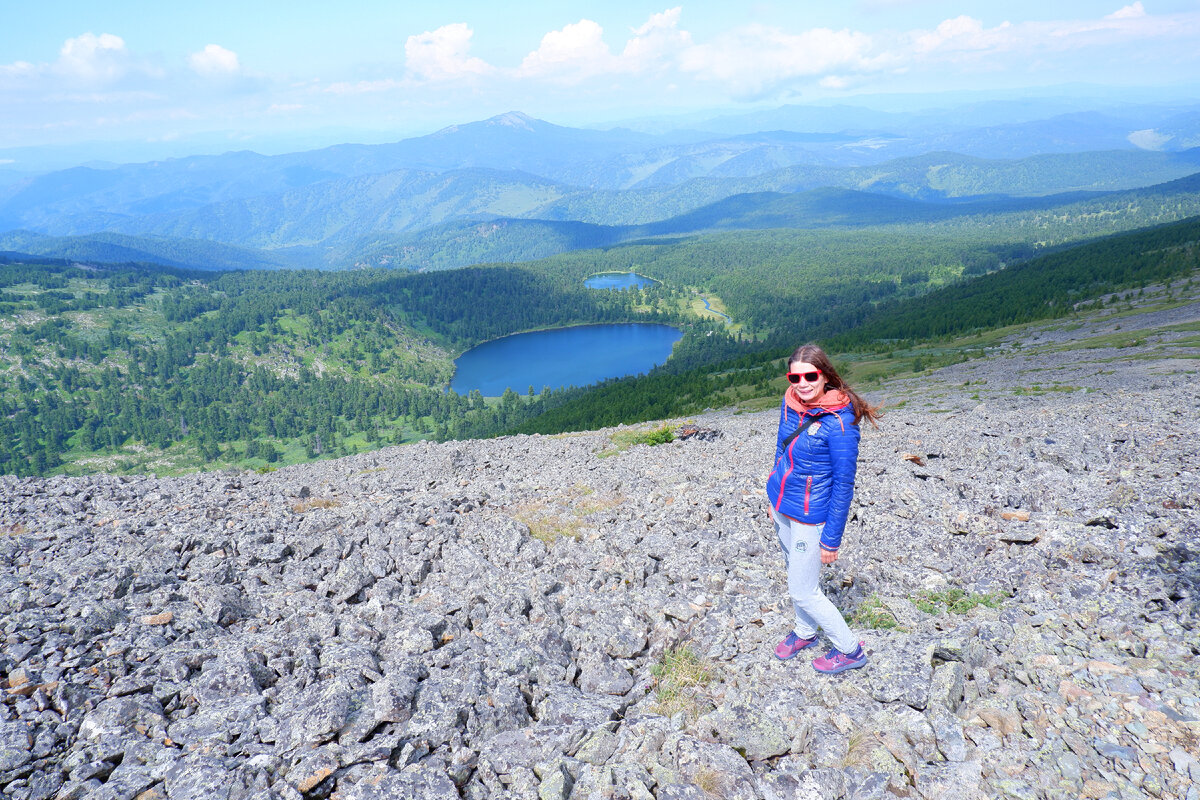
(513, 119)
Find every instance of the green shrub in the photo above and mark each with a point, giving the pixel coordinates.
(955, 601)
(661, 435)
(872, 613)
(623, 440)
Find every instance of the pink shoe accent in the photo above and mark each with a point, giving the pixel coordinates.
(791, 645)
(836, 661)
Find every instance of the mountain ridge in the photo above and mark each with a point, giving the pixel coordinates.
(611, 159)
(486, 234)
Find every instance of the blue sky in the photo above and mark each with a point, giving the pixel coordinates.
(270, 75)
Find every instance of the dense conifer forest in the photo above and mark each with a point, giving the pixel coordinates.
(138, 366)
(245, 365)
(1052, 286)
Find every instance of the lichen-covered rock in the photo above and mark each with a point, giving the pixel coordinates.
(16, 739)
(119, 716)
(603, 675)
(412, 783)
(954, 781)
(715, 769)
(902, 673)
(316, 715)
(756, 733)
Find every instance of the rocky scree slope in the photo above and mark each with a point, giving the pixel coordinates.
(527, 617)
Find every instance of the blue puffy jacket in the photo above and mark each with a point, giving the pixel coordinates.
(813, 479)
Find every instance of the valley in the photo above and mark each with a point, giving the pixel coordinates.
(167, 316)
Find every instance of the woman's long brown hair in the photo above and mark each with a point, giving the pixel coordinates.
(813, 354)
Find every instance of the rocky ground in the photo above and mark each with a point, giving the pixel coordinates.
(552, 617)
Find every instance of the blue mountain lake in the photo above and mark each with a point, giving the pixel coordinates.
(576, 356)
(618, 280)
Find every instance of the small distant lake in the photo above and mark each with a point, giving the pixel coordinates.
(576, 356)
(618, 280)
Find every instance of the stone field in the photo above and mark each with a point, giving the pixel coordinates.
(557, 617)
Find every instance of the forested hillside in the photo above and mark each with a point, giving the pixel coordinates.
(132, 367)
(1059, 285)
(1052, 286)
(462, 244)
(935, 176)
(116, 248)
(229, 367)
(996, 223)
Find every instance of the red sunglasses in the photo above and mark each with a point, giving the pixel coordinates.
(810, 377)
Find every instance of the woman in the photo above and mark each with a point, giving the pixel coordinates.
(810, 487)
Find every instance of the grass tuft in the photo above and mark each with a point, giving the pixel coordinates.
(314, 503)
(955, 601)
(546, 526)
(872, 613)
(681, 676)
(709, 781)
(859, 747)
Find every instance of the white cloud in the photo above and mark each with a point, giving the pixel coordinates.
(214, 60)
(964, 38)
(93, 59)
(86, 62)
(1126, 24)
(656, 42)
(960, 33)
(1132, 11)
(756, 58)
(18, 70)
(442, 54)
(576, 52)
(662, 21)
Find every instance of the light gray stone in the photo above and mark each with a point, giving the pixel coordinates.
(955, 781)
(417, 783)
(16, 739)
(751, 732)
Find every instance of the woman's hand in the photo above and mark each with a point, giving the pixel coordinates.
(828, 556)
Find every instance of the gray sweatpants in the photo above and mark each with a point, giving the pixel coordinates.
(801, 545)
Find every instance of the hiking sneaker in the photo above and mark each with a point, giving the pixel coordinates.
(836, 661)
(791, 645)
